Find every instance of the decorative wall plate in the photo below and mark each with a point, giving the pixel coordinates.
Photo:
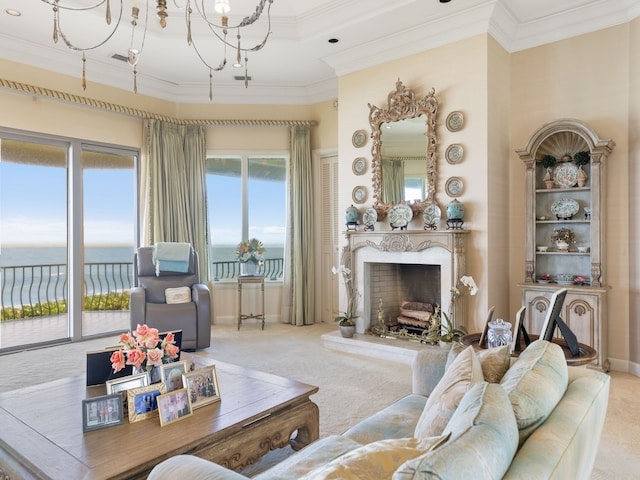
(359, 165)
(566, 175)
(565, 208)
(455, 121)
(454, 187)
(359, 194)
(454, 153)
(359, 138)
(400, 215)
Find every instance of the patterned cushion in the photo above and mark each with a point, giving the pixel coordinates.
(535, 384)
(376, 460)
(484, 439)
(495, 363)
(442, 403)
(178, 295)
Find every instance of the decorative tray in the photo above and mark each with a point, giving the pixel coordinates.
(565, 208)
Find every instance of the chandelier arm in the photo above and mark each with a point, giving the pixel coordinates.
(54, 3)
(85, 49)
(246, 21)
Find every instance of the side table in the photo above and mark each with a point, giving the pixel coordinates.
(250, 279)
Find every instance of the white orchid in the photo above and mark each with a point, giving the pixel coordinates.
(347, 318)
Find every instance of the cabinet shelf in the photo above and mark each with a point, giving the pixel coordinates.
(568, 254)
(562, 221)
(563, 190)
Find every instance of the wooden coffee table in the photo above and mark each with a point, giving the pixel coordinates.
(41, 434)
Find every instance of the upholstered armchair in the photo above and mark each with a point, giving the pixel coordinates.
(149, 300)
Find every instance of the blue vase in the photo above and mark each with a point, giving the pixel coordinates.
(351, 216)
(455, 210)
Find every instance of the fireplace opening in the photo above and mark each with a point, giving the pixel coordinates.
(392, 284)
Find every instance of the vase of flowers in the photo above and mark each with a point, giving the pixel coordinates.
(144, 350)
(347, 320)
(443, 328)
(250, 254)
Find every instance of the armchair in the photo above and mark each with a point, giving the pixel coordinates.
(148, 300)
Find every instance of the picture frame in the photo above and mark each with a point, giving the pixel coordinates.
(202, 386)
(102, 412)
(174, 406)
(171, 374)
(142, 402)
(123, 384)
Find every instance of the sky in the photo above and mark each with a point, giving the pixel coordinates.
(33, 207)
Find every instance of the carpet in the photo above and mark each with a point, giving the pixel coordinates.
(351, 387)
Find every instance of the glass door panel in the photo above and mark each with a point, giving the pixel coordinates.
(109, 237)
(33, 243)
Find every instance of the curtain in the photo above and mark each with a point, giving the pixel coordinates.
(299, 287)
(173, 195)
(392, 181)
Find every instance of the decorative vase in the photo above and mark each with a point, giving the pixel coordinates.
(351, 216)
(562, 246)
(455, 210)
(154, 373)
(347, 331)
(249, 268)
(582, 177)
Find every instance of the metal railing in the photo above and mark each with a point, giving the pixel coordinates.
(272, 269)
(42, 289)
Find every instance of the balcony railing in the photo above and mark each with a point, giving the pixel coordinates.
(41, 290)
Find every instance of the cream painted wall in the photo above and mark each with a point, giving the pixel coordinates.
(585, 77)
(634, 197)
(458, 72)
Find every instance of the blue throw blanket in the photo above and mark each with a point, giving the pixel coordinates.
(171, 257)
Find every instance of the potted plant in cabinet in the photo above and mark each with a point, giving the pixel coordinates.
(548, 162)
(580, 159)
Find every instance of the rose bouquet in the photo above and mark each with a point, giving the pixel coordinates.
(144, 349)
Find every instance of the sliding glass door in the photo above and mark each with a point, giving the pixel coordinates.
(67, 233)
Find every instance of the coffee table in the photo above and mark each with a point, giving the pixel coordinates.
(42, 437)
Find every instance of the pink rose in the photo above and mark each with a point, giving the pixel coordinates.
(154, 357)
(169, 338)
(135, 357)
(117, 360)
(171, 350)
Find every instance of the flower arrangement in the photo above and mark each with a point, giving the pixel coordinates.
(563, 235)
(580, 280)
(545, 276)
(144, 349)
(443, 327)
(250, 251)
(347, 319)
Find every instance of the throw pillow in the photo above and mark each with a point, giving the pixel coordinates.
(535, 384)
(495, 362)
(484, 439)
(377, 460)
(443, 401)
(177, 295)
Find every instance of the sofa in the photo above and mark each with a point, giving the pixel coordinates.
(473, 414)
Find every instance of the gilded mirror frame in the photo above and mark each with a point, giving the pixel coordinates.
(402, 104)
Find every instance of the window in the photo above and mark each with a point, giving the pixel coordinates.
(246, 197)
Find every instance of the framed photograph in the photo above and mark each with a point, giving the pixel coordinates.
(143, 402)
(202, 385)
(126, 383)
(102, 412)
(171, 374)
(174, 406)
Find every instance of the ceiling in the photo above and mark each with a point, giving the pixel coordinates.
(298, 65)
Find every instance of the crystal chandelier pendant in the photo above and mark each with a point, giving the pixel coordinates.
(133, 56)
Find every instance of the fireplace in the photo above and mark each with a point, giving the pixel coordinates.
(404, 265)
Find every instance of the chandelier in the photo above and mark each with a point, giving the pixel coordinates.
(219, 27)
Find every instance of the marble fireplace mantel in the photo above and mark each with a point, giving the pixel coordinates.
(443, 248)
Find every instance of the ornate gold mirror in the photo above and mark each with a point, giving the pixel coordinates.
(403, 165)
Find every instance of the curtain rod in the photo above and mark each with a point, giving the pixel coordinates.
(134, 112)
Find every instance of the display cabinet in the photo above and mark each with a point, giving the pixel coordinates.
(565, 192)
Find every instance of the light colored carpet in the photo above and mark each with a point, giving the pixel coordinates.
(351, 387)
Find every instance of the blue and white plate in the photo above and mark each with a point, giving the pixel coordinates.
(565, 208)
(400, 215)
